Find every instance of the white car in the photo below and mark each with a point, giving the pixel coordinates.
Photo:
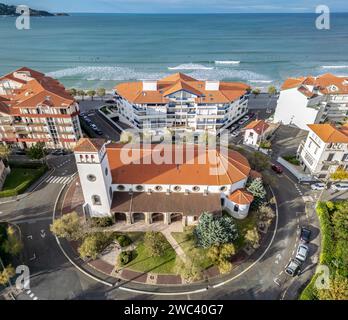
(235, 133)
(340, 186)
(318, 186)
(302, 252)
(240, 122)
(246, 118)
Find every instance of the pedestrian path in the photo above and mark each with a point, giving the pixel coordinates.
(59, 179)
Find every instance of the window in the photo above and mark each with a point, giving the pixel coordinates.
(325, 168)
(196, 188)
(121, 187)
(236, 208)
(96, 200)
(223, 189)
(139, 188)
(110, 192)
(177, 188)
(91, 178)
(330, 157)
(158, 188)
(345, 157)
(106, 171)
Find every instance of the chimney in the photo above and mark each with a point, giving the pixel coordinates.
(149, 85)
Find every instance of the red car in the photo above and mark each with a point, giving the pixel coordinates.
(277, 169)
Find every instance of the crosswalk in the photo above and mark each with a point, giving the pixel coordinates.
(59, 180)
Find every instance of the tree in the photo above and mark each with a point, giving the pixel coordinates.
(93, 244)
(272, 90)
(82, 94)
(257, 189)
(339, 174)
(259, 161)
(252, 238)
(265, 214)
(215, 230)
(6, 274)
(101, 92)
(91, 93)
(37, 151)
(338, 289)
(256, 92)
(340, 222)
(189, 270)
(5, 151)
(12, 245)
(220, 256)
(73, 92)
(155, 243)
(68, 226)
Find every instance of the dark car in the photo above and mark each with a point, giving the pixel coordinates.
(293, 268)
(59, 152)
(251, 115)
(305, 234)
(277, 169)
(98, 132)
(110, 101)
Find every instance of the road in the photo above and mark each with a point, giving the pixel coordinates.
(53, 277)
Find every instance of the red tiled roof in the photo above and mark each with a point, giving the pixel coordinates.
(191, 172)
(328, 133)
(89, 145)
(259, 126)
(227, 92)
(241, 197)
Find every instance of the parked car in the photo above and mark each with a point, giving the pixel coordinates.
(93, 126)
(318, 186)
(20, 152)
(251, 115)
(302, 252)
(246, 118)
(340, 186)
(276, 168)
(241, 122)
(98, 132)
(233, 128)
(235, 133)
(305, 235)
(110, 101)
(59, 152)
(293, 268)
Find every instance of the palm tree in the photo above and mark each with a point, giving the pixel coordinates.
(82, 94)
(256, 92)
(91, 93)
(101, 92)
(73, 92)
(272, 90)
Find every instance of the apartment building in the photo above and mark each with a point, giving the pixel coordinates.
(324, 150)
(36, 108)
(312, 100)
(182, 103)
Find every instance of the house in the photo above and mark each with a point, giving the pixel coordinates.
(312, 100)
(36, 108)
(324, 150)
(256, 132)
(144, 190)
(182, 104)
(3, 173)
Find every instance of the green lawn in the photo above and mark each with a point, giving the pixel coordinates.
(144, 262)
(19, 176)
(187, 243)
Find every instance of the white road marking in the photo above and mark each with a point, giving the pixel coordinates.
(276, 281)
(35, 298)
(32, 295)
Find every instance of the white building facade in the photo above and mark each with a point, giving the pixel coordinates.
(158, 192)
(182, 103)
(324, 150)
(312, 100)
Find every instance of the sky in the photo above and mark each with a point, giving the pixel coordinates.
(182, 6)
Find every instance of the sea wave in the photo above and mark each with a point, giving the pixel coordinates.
(334, 67)
(190, 66)
(227, 62)
(121, 73)
(261, 81)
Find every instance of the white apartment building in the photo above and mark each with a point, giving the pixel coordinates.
(324, 150)
(143, 190)
(312, 100)
(182, 103)
(36, 108)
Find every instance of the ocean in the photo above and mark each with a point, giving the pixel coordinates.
(100, 50)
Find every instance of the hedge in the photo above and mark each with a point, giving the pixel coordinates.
(23, 186)
(310, 293)
(102, 222)
(125, 257)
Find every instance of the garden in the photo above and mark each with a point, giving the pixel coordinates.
(333, 217)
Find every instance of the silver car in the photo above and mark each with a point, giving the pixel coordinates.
(302, 252)
(318, 186)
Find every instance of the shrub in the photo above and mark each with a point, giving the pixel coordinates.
(155, 243)
(93, 244)
(292, 159)
(102, 222)
(252, 237)
(123, 240)
(68, 226)
(125, 257)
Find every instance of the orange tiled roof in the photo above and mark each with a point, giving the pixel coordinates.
(89, 145)
(259, 126)
(236, 167)
(228, 91)
(328, 133)
(36, 91)
(322, 83)
(242, 197)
